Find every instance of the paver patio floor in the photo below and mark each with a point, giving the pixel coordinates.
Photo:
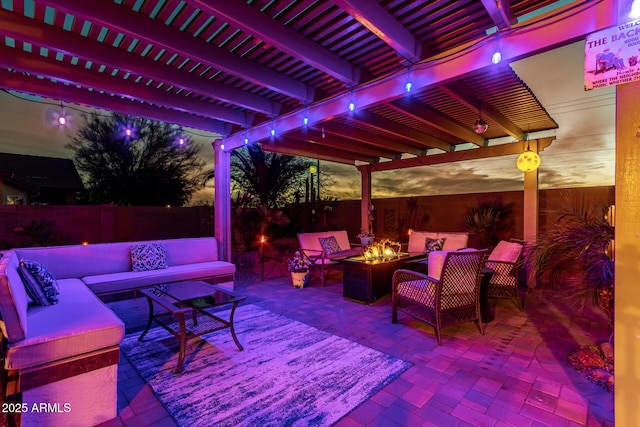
(517, 374)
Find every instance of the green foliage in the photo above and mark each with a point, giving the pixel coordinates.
(490, 220)
(249, 223)
(145, 169)
(270, 179)
(37, 233)
(571, 252)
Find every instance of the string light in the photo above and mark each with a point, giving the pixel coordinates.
(62, 117)
(497, 56)
(408, 86)
(352, 105)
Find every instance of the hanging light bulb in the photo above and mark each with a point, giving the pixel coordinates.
(305, 119)
(497, 56)
(62, 116)
(480, 126)
(181, 139)
(408, 85)
(246, 141)
(352, 104)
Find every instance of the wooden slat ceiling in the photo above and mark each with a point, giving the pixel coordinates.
(227, 66)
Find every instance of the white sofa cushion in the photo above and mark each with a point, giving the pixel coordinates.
(417, 240)
(13, 299)
(78, 324)
(77, 260)
(454, 240)
(191, 250)
(103, 258)
(128, 280)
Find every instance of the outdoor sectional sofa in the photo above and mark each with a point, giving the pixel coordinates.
(65, 355)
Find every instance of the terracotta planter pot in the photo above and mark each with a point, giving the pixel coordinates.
(299, 279)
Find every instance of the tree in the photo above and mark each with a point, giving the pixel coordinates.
(271, 179)
(144, 167)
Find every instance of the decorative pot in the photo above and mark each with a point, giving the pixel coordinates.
(299, 279)
(366, 241)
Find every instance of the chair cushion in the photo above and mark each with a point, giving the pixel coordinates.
(39, 283)
(417, 240)
(329, 245)
(311, 241)
(506, 252)
(148, 256)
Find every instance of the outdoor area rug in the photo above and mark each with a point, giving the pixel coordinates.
(288, 374)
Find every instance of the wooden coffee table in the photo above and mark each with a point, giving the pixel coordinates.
(183, 301)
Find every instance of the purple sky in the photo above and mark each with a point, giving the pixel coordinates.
(582, 155)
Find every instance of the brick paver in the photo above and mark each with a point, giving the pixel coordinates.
(516, 374)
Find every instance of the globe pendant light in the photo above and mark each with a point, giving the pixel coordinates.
(528, 161)
(480, 126)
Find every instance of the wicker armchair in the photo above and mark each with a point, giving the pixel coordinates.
(451, 297)
(505, 261)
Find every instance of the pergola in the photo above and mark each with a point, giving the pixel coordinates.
(283, 73)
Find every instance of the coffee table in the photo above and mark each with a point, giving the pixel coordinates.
(183, 302)
(367, 280)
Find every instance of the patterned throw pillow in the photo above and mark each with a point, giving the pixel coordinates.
(431, 245)
(329, 245)
(148, 256)
(39, 283)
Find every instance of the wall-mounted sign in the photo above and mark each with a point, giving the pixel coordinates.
(611, 56)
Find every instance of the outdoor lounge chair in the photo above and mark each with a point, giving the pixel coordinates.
(505, 260)
(450, 294)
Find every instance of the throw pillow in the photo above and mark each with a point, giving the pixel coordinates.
(329, 245)
(39, 283)
(431, 245)
(148, 256)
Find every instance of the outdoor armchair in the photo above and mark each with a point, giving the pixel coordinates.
(505, 260)
(450, 294)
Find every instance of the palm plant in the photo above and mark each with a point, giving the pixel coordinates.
(489, 220)
(572, 253)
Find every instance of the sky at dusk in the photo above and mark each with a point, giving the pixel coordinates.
(581, 156)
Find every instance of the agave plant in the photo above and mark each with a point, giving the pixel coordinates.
(570, 254)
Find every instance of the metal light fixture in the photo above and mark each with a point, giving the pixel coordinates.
(62, 116)
(528, 161)
(497, 55)
(480, 126)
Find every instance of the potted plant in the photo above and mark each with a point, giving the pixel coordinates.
(366, 237)
(298, 266)
(571, 256)
(489, 221)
